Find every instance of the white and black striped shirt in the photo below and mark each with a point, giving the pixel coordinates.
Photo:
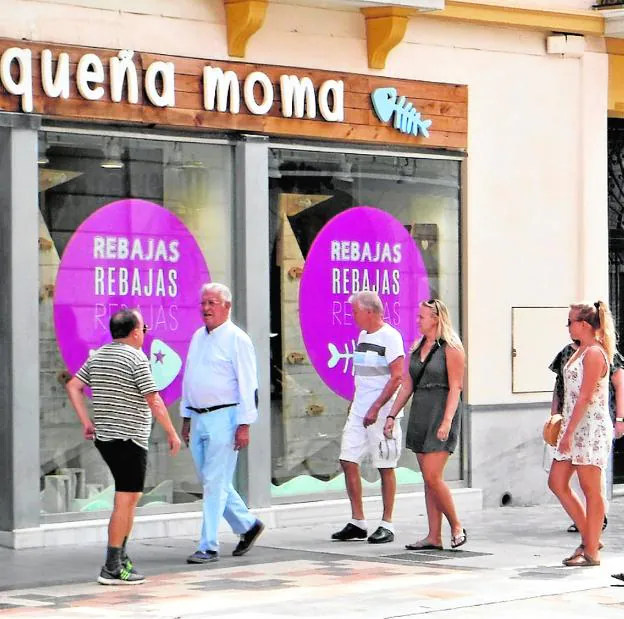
(371, 363)
(120, 377)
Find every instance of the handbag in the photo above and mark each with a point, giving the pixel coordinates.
(552, 429)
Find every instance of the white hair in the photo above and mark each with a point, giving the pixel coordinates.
(221, 289)
(367, 299)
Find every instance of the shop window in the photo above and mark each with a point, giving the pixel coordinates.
(308, 191)
(80, 177)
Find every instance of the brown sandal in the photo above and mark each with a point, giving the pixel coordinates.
(581, 550)
(423, 545)
(581, 561)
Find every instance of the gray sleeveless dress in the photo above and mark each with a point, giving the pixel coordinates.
(428, 404)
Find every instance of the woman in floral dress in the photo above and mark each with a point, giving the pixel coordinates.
(587, 430)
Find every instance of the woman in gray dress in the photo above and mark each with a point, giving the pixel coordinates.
(435, 378)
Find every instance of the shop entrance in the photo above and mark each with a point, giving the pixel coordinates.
(616, 253)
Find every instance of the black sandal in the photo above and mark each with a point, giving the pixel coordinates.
(459, 540)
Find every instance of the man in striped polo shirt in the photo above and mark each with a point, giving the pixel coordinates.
(378, 367)
(124, 399)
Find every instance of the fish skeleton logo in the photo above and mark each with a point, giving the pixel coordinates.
(406, 118)
(336, 356)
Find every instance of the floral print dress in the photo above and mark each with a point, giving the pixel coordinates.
(592, 438)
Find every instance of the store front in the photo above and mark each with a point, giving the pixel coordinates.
(190, 170)
(471, 140)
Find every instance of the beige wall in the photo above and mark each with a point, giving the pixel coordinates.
(535, 199)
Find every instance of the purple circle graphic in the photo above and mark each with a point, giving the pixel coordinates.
(131, 254)
(362, 248)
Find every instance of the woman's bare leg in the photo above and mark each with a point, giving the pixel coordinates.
(561, 473)
(432, 466)
(591, 485)
(434, 515)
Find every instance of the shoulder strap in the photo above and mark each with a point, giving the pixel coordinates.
(417, 378)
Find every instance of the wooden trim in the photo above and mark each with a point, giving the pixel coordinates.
(243, 19)
(385, 29)
(614, 46)
(445, 104)
(576, 22)
(615, 97)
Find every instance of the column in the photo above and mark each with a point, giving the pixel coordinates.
(593, 221)
(252, 304)
(19, 332)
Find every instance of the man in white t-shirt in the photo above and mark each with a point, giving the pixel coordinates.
(378, 364)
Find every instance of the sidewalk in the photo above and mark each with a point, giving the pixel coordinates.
(510, 567)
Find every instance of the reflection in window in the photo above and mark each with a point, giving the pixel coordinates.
(307, 189)
(78, 174)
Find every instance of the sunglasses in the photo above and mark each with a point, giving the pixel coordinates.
(571, 321)
(145, 328)
(432, 304)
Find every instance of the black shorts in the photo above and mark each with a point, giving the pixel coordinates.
(126, 461)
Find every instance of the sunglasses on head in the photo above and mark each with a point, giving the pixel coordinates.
(432, 304)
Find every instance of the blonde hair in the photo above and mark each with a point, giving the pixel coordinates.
(445, 329)
(599, 317)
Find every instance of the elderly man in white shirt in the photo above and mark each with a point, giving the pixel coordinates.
(219, 401)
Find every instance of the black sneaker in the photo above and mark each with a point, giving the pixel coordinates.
(349, 532)
(126, 562)
(123, 577)
(381, 536)
(247, 540)
(203, 556)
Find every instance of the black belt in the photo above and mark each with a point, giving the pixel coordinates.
(209, 409)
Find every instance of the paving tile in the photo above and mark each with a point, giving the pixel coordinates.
(415, 557)
(512, 568)
(224, 584)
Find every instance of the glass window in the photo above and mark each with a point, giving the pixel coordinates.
(79, 176)
(307, 190)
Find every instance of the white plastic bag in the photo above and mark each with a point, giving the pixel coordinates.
(547, 457)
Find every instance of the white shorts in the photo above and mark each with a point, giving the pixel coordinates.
(357, 441)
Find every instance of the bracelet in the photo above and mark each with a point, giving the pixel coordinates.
(619, 419)
(393, 417)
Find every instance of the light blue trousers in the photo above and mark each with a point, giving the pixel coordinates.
(212, 448)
